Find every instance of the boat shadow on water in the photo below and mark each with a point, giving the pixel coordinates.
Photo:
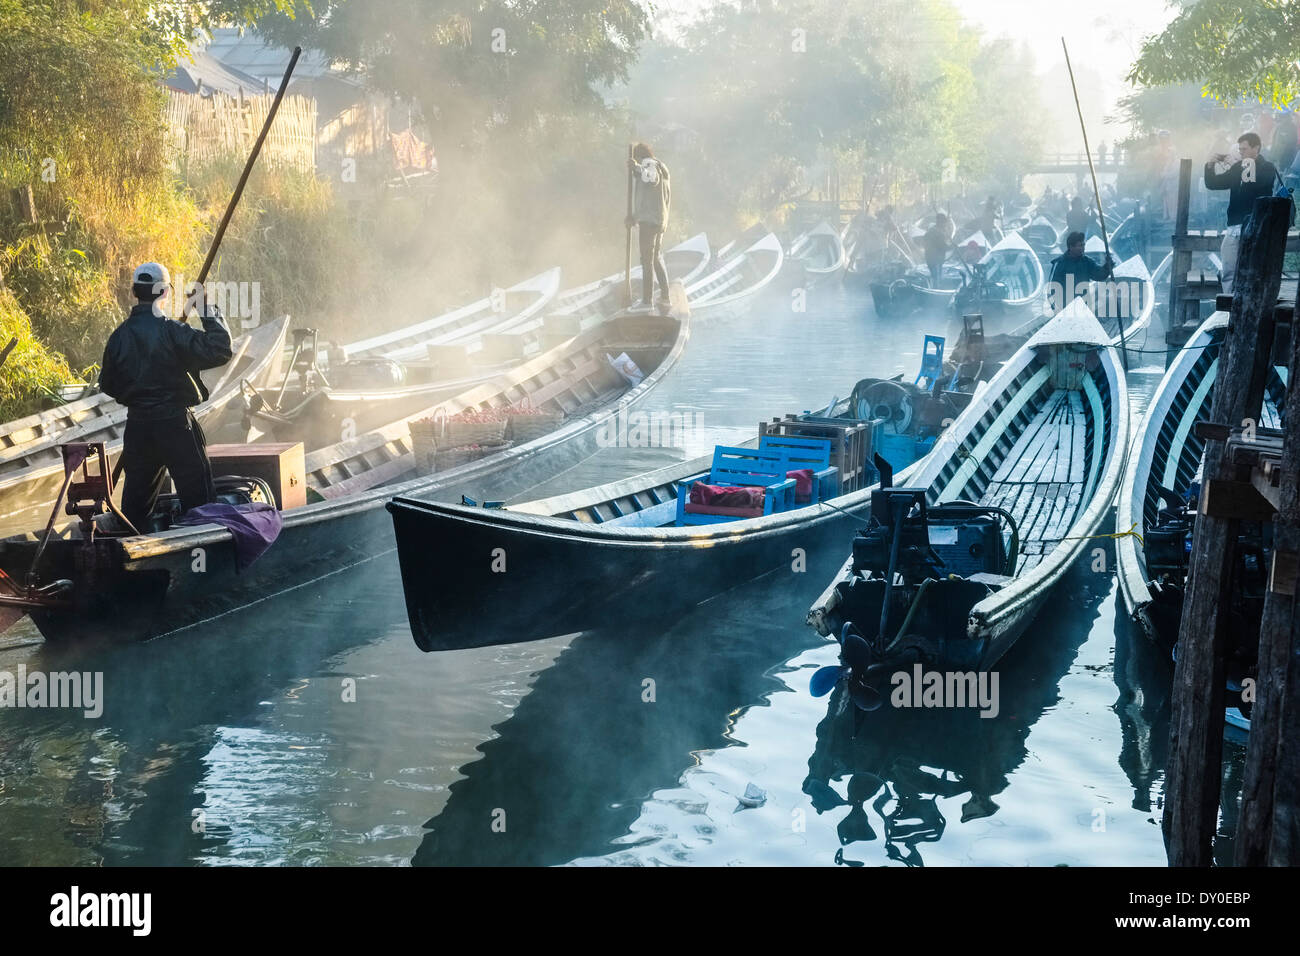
(621, 713)
(892, 766)
(124, 787)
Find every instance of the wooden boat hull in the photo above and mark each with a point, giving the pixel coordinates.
(740, 272)
(140, 588)
(817, 256)
(1167, 453)
(1003, 451)
(556, 566)
(26, 494)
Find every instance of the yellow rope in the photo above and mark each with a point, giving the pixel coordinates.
(1130, 533)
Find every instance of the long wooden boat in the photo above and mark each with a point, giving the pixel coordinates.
(27, 484)
(819, 254)
(21, 434)
(595, 301)
(505, 311)
(1159, 485)
(1037, 458)
(1042, 235)
(742, 269)
(141, 587)
(319, 415)
(577, 561)
(34, 438)
(1008, 286)
(1127, 300)
(430, 359)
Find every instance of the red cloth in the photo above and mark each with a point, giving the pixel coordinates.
(724, 512)
(726, 496)
(803, 479)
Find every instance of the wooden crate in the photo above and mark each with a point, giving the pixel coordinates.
(850, 444)
(281, 464)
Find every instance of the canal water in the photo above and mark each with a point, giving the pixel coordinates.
(309, 729)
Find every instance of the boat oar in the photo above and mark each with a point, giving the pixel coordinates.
(1101, 215)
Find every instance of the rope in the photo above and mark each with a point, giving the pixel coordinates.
(1130, 533)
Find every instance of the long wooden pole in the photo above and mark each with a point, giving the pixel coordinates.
(248, 168)
(627, 266)
(1101, 218)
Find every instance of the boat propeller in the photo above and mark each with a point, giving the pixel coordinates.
(857, 668)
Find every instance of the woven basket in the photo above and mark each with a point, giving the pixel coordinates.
(445, 458)
(456, 434)
(524, 428)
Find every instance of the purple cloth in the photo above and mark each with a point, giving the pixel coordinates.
(254, 526)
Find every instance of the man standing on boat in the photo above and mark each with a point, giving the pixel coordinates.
(651, 198)
(1070, 273)
(937, 244)
(1247, 176)
(151, 365)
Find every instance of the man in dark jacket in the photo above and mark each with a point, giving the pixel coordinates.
(652, 195)
(1071, 271)
(151, 365)
(1247, 178)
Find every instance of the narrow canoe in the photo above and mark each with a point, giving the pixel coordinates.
(142, 587)
(26, 491)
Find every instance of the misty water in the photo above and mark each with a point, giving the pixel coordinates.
(233, 742)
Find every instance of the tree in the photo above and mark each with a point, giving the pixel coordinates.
(1235, 48)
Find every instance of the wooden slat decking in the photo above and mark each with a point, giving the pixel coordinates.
(1040, 482)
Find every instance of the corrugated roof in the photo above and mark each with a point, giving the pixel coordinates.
(250, 53)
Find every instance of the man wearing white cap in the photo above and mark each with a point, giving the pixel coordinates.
(151, 365)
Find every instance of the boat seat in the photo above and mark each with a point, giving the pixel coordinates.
(803, 452)
(738, 468)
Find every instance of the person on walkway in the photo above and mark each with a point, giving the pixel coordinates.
(1247, 176)
(652, 195)
(151, 365)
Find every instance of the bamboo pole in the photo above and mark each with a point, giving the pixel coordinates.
(248, 169)
(1101, 217)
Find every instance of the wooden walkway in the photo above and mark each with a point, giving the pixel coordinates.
(1041, 480)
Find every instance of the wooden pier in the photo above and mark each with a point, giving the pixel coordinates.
(1188, 289)
(1250, 474)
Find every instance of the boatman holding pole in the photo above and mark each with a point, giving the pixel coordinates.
(151, 365)
(651, 198)
(1073, 271)
(1247, 176)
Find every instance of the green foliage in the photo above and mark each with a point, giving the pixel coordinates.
(31, 370)
(1236, 48)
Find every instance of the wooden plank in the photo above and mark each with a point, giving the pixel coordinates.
(1196, 720)
(1078, 457)
(1022, 444)
(1269, 825)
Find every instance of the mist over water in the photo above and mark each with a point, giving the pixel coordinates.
(232, 742)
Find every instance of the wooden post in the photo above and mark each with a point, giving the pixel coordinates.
(1182, 261)
(1196, 720)
(1267, 831)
